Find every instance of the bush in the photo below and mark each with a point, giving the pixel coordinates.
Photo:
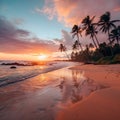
(109, 60)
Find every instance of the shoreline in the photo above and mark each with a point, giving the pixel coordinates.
(50, 68)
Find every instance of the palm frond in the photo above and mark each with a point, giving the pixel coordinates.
(101, 28)
(113, 21)
(92, 18)
(74, 29)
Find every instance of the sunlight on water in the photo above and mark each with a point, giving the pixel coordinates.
(8, 76)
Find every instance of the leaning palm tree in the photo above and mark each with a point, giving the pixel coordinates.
(90, 29)
(115, 35)
(62, 48)
(76, 31)
(91, 32)
(106, 24)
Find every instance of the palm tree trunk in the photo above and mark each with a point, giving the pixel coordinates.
(79, 43)
(108, 36)
(67, 55)
(94, 42)
(81, 47)
(117, 40)
(97, 40)
(110, 42)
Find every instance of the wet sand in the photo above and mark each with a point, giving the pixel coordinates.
(102, 104)
(79, 93)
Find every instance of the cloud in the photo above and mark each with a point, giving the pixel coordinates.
(23, 33)
(73, 11)
(66, 39)
(48, 11)
(117, 9)
(19, 41)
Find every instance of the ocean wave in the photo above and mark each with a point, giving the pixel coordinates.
(9, 76)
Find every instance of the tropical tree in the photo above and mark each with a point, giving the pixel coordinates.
(76, 31)
(90, 29)
(115, 35)
(62, 48)
(75, 46)
(103, 50)
(116, 49)
(73, 57)
(106, 24)
(91, 45)
(92, 32)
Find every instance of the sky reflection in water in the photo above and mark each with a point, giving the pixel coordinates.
(74, 86)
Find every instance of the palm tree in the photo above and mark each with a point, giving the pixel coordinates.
(76, 31)
(73, 55)
(92, 32)
(115, 35)
(91, 45)
(90, 29)
(106, 24)
(62, 48)
(75, 46)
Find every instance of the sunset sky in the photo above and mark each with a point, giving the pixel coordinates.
(29, 28)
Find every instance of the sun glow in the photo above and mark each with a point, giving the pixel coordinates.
(42, 57)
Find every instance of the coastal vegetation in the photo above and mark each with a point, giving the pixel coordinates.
(107, 52)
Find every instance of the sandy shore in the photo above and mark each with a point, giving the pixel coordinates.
(83, 92)
(102, 104)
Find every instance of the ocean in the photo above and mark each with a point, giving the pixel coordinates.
(9, 76)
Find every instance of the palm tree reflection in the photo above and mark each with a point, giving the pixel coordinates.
(76, 76)
(61, 85)
(75, 89)
(75, 96)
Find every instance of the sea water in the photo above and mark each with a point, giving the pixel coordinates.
(8, 75)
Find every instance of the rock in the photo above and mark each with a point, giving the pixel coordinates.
(13, 67)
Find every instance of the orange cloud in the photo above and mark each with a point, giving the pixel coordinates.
(73, 11)
(117, 9)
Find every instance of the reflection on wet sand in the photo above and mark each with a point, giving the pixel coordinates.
(77, 87)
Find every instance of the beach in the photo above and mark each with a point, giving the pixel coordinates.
(102, 104)
(59, 60)
(79, 92)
